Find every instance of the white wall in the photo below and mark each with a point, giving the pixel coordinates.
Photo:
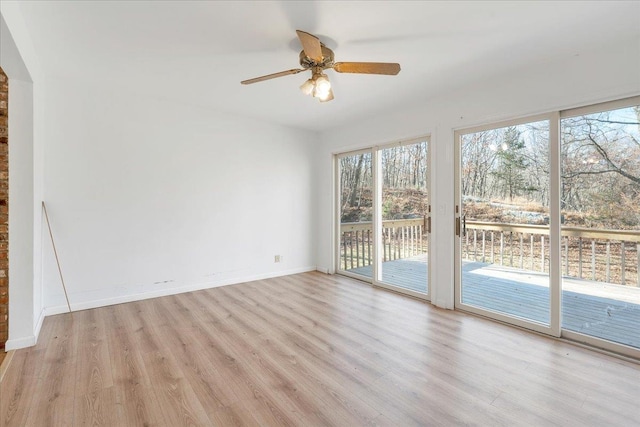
(21, 289)
(147, 197)
(577, 80)
(18, 60)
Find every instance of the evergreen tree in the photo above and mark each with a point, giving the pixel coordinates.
(512, 164)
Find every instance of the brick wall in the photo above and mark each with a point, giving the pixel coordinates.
(4, 209)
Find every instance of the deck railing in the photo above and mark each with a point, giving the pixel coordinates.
(401, 238)
(611, 256)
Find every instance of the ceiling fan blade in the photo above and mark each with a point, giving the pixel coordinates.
(367, 67)
(272, 76)
(310, 45)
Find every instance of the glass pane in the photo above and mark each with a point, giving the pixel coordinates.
(600, 202)
(405, 203)
(356, 212)
(505, 221)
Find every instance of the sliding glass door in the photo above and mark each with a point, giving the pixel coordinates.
(503, 223)
(383, 216)
(404, 209)
(355, 205)
(600, 200)
(548, 223)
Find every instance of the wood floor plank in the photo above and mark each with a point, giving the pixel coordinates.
(136, 405)
(19, 386)
(56, 382)
(306, 350)
(234, 416)
(342, 405)
(98, 408)
(176, 399)
(95, 364)
(276, 384)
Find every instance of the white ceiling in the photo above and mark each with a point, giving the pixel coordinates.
(197, 52)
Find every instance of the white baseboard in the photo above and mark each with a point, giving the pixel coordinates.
(28, 341)
(39, 322)
(20, 343)
(85, 305)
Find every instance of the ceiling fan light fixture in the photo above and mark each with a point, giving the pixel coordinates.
(328, 97)
(322, 83)
(308, 87)
(322, 87)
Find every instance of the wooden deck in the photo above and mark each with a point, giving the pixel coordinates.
(598, 309)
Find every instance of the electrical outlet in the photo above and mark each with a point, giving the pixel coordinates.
(277, 258)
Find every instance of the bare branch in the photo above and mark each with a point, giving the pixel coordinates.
(574, 174)
(617, 169)
(615, 122)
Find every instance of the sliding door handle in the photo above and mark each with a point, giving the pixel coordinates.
(458, 226)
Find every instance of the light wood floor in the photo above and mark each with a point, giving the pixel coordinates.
(307, 350)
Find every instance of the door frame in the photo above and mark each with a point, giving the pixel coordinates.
(553, 328)
(578, 337)
(376, 164)
(336, 213)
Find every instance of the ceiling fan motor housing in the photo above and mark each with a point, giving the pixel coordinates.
(327, 59)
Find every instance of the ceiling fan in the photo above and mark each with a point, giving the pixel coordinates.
(316, 57)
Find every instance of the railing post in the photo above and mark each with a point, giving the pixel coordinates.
(531, 253)
(368, 247)
(397, 243)
(466, 245)
(580, 257)
(364, 256)
(483, 245)
(593, 259)
(351, 248)
(566, 255)
(475, 245)
(511, 249)
(638, 266)
(384, 246)
(521, 250)
(357, 251)
(394, 244)
(492, 251)
(542, 253)
(623, 264)
(344, 244)
(502, 248)
(608, 273)
(411, 238)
